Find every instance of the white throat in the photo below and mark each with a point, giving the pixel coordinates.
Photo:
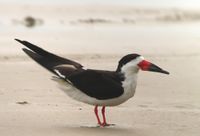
(130, 71)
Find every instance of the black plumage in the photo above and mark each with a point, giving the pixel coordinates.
(95, 87)
(98, 84)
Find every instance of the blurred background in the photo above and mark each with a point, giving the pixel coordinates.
(97, 33)
(93, 25)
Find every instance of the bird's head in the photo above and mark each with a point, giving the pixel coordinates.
(134, 62)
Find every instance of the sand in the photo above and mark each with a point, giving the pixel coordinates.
(31, 103)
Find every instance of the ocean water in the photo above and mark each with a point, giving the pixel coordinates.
(187, 4)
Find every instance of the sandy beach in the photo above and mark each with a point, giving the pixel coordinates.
(97, 37)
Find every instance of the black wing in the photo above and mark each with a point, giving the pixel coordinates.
(45, 58)
(95, 83)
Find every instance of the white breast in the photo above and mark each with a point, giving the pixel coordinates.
(129, 86)
(130, 70)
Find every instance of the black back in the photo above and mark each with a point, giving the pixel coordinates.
(95, 83)
(98, 84)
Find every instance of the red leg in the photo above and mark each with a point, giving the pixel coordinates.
(104, 117)
(97, 115)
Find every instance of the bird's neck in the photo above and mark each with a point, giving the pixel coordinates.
(129, 84)
(130, 75)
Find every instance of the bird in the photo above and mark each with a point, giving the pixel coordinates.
(100, 88)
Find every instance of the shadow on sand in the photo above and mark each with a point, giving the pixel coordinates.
(96, 130)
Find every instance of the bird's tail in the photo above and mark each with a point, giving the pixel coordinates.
(45, 58)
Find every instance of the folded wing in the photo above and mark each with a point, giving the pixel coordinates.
(94, 83)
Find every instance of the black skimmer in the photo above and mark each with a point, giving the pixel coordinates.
(94, 87)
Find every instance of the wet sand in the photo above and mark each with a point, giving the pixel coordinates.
(31, 103)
